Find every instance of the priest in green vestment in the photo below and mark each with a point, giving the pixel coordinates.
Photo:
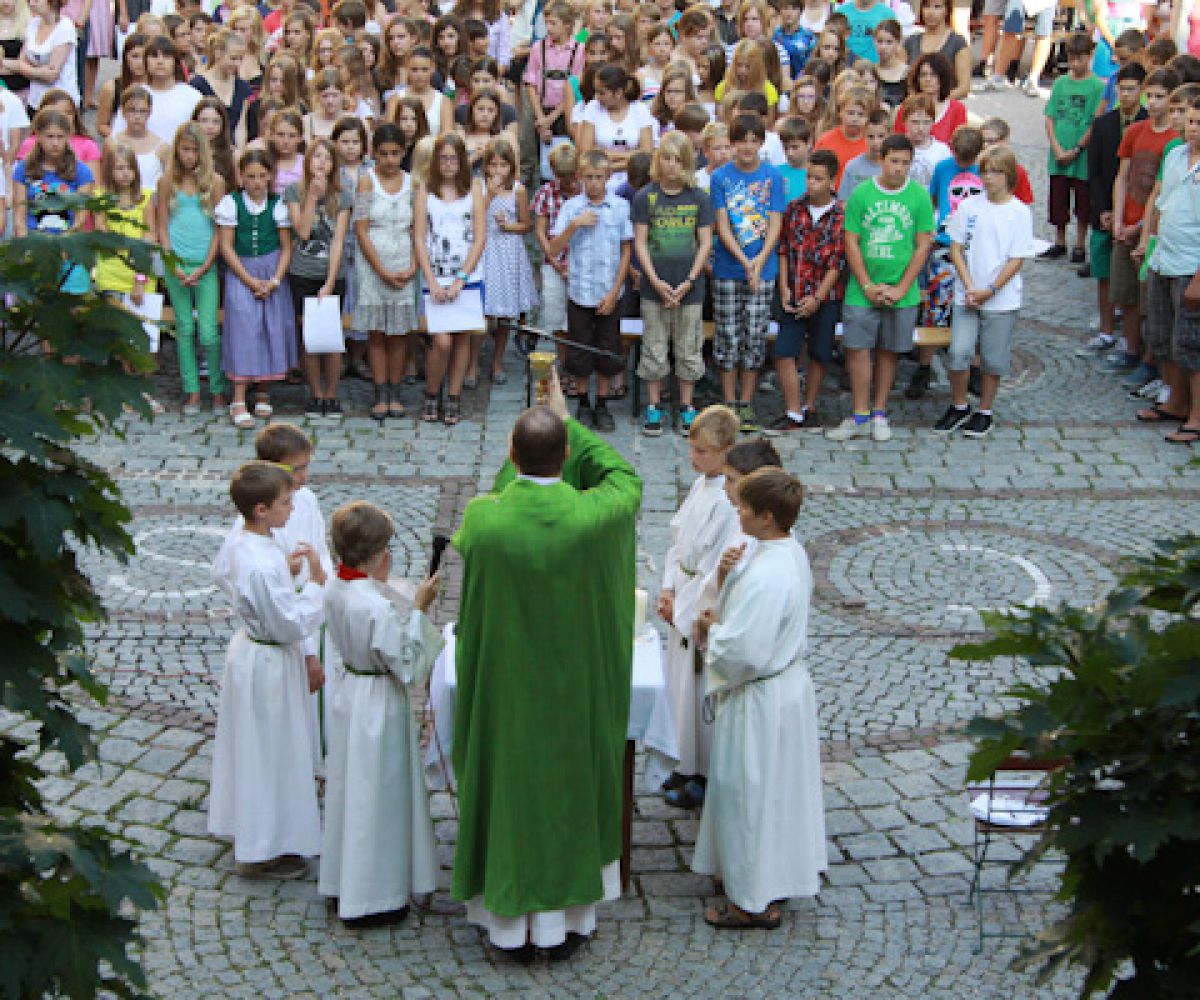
(544, 660)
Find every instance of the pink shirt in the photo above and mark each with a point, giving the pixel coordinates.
(86, 151)
(546, 58)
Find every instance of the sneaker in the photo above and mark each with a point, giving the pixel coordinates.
(686, 417)
(768, 383)
(1147, 391)
(847, 429)
(881, 430)
(652, 426)
(604, 420)
(585, 414)
(979, 426)
(1118, 365)
(918, 385)
(1164, 396)
(1079, 257)
(952, 420)
(749, 420)
(1097, 345)
(992, 83)
(1137, 378)
(1085, 269)
(314, 409)
(1053, 253)
(1031, 88)
(809, 422)
(333, 408)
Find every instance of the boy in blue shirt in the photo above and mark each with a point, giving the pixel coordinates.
(796, 139)
(748, 198)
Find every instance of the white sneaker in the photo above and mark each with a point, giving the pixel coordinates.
(1164, 396)
(881, 430)
(1030, 88)
(1096, 345)
(1151, 389)
(848, 429)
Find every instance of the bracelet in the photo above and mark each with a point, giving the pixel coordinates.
(462, 276)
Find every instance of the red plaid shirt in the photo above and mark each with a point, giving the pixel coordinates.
(813, 249)
(549, 202)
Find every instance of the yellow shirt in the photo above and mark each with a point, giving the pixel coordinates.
(768, 89)
(112, 274)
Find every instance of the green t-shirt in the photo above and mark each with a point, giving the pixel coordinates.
(887, 224)
(1072, 108)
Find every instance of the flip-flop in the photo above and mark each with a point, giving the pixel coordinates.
(1185, 435)
(726, 916)
(1157, 415)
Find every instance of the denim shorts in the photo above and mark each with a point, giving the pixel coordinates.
(1014, 19)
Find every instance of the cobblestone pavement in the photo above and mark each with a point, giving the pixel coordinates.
(909, 541)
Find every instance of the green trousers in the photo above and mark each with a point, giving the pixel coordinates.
(201, 303)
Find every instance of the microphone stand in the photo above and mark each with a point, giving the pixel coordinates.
(527, 338)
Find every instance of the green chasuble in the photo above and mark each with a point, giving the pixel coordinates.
(544, 661)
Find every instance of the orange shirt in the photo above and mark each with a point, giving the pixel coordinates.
(843, 147)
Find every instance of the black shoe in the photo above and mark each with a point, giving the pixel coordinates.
(562, 952)
(1085, 270)
(1053, 253)
(314, 409)
(979, 426)
(808, 422)
(383, 919)
(522, 956)
(585, 414)
(690, 796)
(918, 385)
(676, 780)
(975, 382)
(1078, 256)
(952, 420)
(333, 408)
(604, 420)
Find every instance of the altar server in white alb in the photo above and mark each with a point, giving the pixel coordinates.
(263, 792)
(379, 846)
(288, 446)
(763, 827)
(705, 518)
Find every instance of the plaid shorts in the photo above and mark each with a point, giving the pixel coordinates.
(1172, 330)
(741, 319)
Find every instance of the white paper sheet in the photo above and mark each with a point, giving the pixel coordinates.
(464, 313)
(323, 332)
(151, 311)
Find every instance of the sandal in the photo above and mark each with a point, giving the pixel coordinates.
(395, 407)
(382, 402)
(619, 393)
(262, 405)
(429, 414)
(453, 411)
(155, 406)
(1157, 415)
(690, 796)
(1185, 435)
(727, 916)
(240, 416)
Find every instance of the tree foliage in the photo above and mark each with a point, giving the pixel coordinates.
(69, 368)
(1122, 703)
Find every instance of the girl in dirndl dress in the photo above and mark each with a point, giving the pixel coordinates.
(259, 345)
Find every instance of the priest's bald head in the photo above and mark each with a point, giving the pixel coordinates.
(538, 446)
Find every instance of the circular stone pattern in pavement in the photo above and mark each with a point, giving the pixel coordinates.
(939, 578)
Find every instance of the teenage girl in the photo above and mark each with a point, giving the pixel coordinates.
(330, 92)
(659, 45)
(298, 37)
(409, 117)
(260, 329)
(509, 290)
(398, 40)
(287, 132)
(386, 304)
(150, 150)
(133, 70)
(84, 147)
(210, 115)
(482, 127)
(351, 142)
(51, 168)
(449, 230)
(220, 77)
(188, 193)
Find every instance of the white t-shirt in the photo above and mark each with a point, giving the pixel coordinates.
(924, 160)
(771, 151)
(168, 110)
(39, 54)
(12, 116)
(622, 135)
(991, 235)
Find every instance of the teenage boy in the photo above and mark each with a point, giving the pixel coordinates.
(552, 60)
(889, 229)
(798, 42)
(796, 137)
(868, 164)
(672, 237)
(1140, 154)
(928, 152)
(864, 17)
(849, 138)
(748, 198)
(991, 237)
(1173, 285)
(1074, 101)
(1129, 49)
(995, 132)
(595, 230)
(1103, 161)
(812, 260)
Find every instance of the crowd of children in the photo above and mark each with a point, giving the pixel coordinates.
(399, 158)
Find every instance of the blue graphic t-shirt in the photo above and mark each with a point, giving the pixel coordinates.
(749, 199)
(799, 46)
(950, 187)
(862, 27)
